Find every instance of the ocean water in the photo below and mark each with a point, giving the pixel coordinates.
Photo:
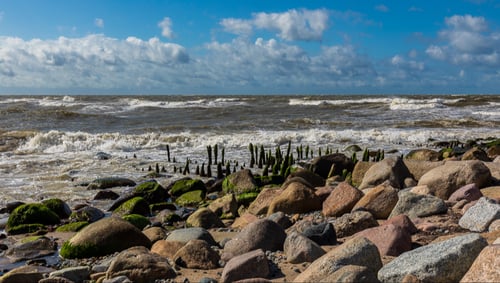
(49, 143)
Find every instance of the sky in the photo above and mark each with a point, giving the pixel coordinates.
(249, 47)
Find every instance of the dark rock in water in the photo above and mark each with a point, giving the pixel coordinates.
(110, 182)
(38, 247)
(106, 194)
(151, 191)
(104, 237)
(87, 213)
(103, 156)
(9, 207)
(321, 234)
(60, 207)
(140, 266)
(322, 165)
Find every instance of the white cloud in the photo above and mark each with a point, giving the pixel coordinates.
(98, 22)
(382, 8)
(307, 25)
(467, 22)
(237, 26)
(166, 27)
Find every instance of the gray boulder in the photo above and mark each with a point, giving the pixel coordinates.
(416, 205)
(351, 223)
(445, 261)
(300, 249)
(194, 233)
(479, 217)
(390, 169)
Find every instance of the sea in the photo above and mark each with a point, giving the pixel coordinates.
(50, 145)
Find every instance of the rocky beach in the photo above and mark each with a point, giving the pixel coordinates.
(430, 215)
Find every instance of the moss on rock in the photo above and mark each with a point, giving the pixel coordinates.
(137, 220)
(25, 228)
(72, 227)
(32, 213)
(187, 185)
(246, 198)
(151, 191)
(136, 205)
(191, 198)
(80, 251)
(58, 206)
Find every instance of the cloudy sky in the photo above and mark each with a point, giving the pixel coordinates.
(249, 47)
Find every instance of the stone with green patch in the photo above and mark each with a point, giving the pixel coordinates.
(136, 205)
(187, 185)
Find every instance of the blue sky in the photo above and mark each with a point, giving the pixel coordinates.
(249, 47)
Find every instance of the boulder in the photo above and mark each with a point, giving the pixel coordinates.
(106, 194)
(446, 179)
(225, 206)
(322, 233)
(261, 204)
(475, 153)
(390, 169)
(262, 234)
(137, 220)
(192, 198)
(322, 165)
(391, 240)
(379, 201)
(240, 182)
(299, 248)
(468, 192)
(26, 273)
(38, 247)
(280, 218)
(197, 254)
(183, 186)
(491, 193)
(167, 248)
(58, 206)
(244, 220)
(31, 213)
(205, 218)
(352, 273)
(479, 217)
(485, 267)
(151, 191)
(314, 179)
(295, 198)
(186, 234)
(155, 234)
(104, 237)
(253, 264)
(359, 171)
(358, 251)
(423, 154)
(445, 261)
(419, 168)
(415, 205)
(351, 223)
(87, 214)
(404, 222)
(136, 205)
(110, 182)
(341, 200)
(75, 274)
(140, 266)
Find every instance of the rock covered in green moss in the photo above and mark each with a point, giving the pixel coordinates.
(31, 213)
(187, 185)
(240, 182)
(25, 228)
(106, 236)
(151, 191)
(136, 205)
(60, 207)
(137, 220)
(246, 198)
(72, 227)
(192, 198)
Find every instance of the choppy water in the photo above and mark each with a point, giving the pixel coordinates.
(49, 143)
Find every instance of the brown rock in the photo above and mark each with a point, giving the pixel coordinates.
(390, 169)
(468, 192)
(27, 273)
(493, 151)
(341, 200)
(248, 265)
(359, 171)
(351, 223)
(352, 273)
(322, 165)
(379, 201)
(404, 222)
(423, 155)
(140, 266)
(314, 179)
(244, 220)
(226, 205)
(155, 234)
(446, 179)
(261, 204)
(300, 249)
(296, 198)
(197, 254)
(205, 218)
(167, 248)
(486, 266)
(475, 154)
(419, 168)
(390, 239)
(492, 192)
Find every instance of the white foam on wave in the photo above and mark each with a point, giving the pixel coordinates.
(134, 103)
(318, 102)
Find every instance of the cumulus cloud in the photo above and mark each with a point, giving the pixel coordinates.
(98, 22)
(467, 41)
(166, 27)
(306, 25)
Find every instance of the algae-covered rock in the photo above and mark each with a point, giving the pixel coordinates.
(137, 220)
(60, 207)
(246, 198)
(104, 237)
(32, 213)
(136, 205)
(240, 182)
(72, 227)
(151, 191)
(191, 198)
(25, 228)
(187, 185)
